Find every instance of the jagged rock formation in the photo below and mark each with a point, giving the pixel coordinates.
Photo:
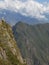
(9, 52)
(33, 42)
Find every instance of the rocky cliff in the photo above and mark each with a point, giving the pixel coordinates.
(9, 52)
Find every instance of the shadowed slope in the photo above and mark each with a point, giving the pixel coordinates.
(33, 42)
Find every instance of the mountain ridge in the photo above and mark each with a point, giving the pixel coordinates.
(13, 17)
(34, 41)
(9, 51)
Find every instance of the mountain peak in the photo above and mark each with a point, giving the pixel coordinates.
(2, 21)
(33, 41)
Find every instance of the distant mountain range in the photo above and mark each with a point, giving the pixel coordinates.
(13, 17)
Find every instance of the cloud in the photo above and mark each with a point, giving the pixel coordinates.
(28, 8)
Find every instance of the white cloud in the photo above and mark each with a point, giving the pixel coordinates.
(29, 7)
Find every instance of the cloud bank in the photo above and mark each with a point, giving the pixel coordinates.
(28, 8)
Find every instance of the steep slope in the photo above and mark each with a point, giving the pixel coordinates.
(9, 52)
(33, 42)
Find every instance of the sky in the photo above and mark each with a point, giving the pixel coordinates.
(32, 8)
(42, 1)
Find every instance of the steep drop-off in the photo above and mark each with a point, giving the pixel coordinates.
(33, 42)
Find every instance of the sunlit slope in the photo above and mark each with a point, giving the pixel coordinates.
(9, 52)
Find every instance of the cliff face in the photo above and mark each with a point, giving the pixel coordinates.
(33, 42)
(9, 52)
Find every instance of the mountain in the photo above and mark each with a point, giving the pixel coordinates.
(33, 41)
(9, 51)
(13, 17)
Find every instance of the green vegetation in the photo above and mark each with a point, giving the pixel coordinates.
(9, 52)
(33, 41)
